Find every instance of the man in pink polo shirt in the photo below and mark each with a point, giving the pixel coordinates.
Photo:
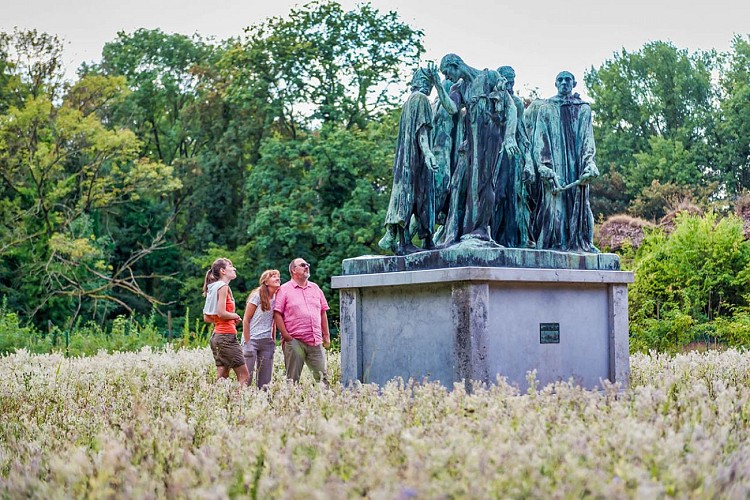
(300, 316)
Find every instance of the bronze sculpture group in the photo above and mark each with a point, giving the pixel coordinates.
(476, 166)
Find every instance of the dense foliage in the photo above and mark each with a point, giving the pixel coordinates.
(117, 190)
(691, 285)
(666, 128)
(89, 337)
(157, 424)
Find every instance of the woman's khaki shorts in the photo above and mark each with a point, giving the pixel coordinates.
(226, 350)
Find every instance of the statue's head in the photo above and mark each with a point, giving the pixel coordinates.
(565, 83)
(450, 66)
(510, 77)
(421, 81)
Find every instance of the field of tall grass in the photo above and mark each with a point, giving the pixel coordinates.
(156, 423)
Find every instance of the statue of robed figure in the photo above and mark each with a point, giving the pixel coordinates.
(489, 127)
(511, 220)
(413, 193)
(564, 153)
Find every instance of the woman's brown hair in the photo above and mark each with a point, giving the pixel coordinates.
(262, 290)
(214, 273)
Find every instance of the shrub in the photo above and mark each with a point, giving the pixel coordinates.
(666, 334)
(700, 271)
(15, 336)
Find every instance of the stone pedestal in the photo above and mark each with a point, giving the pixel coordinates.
(453, 324)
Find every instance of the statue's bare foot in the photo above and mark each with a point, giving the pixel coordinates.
(388, 242)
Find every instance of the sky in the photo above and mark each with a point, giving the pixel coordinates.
(539, 38)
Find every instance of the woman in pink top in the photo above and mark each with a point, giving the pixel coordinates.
(220, 311)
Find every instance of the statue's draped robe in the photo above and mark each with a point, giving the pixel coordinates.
(511, 219)
(413, 191)
(536, 188)
(444, 148)
(450, 232)
(474, 176)
(564, 142)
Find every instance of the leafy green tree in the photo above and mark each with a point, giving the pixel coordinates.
(233, 124)
(161, 70)
(181, 121)
(323, 84)
(322, 63)
(6, 73)
(180, 110)
(666, 161)
(322, 198)
(653, 114)
(31, 65)
(62, 172)
(733, 128)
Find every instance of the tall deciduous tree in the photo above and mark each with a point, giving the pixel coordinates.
(331, 80)
(161, 71)
(187, 109)
(34, 64)
(324, 63)
(322, 197)
(733, 128)
(653, 113)
(62, 170)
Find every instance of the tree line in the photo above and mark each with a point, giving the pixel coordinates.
(118, 189)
